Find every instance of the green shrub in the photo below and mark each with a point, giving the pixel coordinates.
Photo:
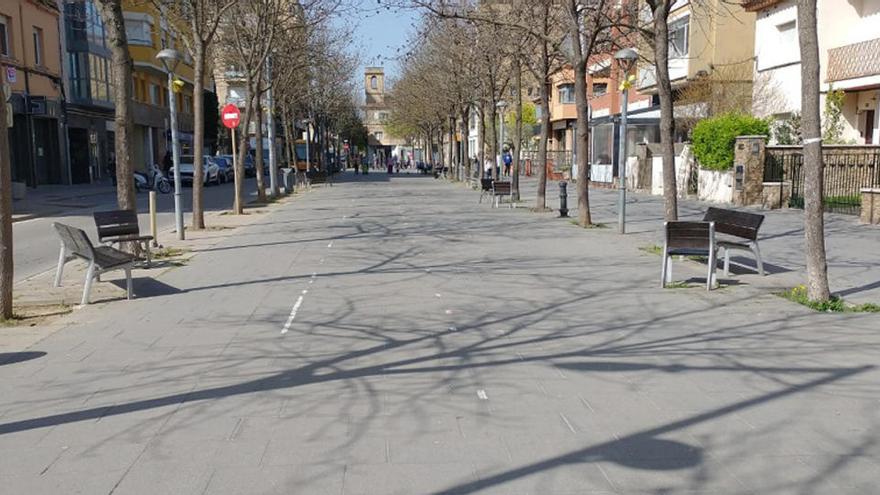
(714, 138)
(834, 305)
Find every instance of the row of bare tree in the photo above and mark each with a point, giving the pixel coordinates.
(287, 47)
(472, 54)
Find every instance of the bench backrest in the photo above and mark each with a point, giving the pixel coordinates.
(116, 223)
(501, 187)
(736, 223)
(75, 241)
(486, 184)
(690, 235)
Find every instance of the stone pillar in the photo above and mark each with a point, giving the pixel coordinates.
(871, 206)
(748, 170)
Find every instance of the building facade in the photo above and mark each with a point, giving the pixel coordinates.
(849, 56)
(90, 92)
(30, 55)
(380, 143)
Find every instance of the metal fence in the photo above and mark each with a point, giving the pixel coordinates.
(846, 171)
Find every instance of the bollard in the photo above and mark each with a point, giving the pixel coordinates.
(153, 230)
(563, 199)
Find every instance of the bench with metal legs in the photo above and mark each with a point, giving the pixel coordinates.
(689, 239)
(76, 244)
(740, 226)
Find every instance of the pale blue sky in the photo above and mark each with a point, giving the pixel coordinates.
(380, 35)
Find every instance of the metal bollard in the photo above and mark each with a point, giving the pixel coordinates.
(563, 199)
(153, 230)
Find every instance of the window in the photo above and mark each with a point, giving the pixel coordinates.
(600, 89)
(155, 94)
(138, 29)
(4, 36)
(678, 37)
(38, 46)
(566, 93)
(787, 33)
(374, 82)
(379, 136)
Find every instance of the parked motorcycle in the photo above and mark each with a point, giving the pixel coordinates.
(154, 179)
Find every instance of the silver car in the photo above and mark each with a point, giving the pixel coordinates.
(210, 170)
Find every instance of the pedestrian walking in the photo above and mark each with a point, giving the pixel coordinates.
(167, 163)
(508, 160)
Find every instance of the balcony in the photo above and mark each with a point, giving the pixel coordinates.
(854, 61)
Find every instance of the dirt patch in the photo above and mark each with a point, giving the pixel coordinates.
(33, 315)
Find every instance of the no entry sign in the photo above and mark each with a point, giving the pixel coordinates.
(230, 116)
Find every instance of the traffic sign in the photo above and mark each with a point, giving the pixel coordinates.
(231, 116)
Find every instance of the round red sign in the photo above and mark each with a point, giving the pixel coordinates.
(230, 116)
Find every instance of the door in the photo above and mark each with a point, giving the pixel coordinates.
(869, 127)
(79, 155)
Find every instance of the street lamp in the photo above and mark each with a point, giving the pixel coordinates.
(170, 58)
(625, 60)
(501, 106)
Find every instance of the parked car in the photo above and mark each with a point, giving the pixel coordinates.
(227, 173)
(210, 170)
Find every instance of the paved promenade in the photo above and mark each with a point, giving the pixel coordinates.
(391, 336)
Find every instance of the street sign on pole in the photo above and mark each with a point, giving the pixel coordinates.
(231, 116)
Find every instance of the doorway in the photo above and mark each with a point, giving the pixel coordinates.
(869, 127)
(79, 155)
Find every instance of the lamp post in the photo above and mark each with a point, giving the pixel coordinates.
(170, 58)
(270, 121)
(501, 106)
(625, 60)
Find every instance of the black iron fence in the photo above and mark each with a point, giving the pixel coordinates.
(847, 169)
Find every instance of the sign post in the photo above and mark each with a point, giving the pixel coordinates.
(231, 117)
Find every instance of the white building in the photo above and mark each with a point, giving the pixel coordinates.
(849, 54)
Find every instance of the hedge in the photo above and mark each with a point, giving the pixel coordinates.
(714, 138)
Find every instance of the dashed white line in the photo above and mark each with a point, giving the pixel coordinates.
(482, 394)
(293, 312)
(330, 245)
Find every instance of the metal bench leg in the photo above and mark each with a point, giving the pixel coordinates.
(758, 260)
(663, 271)
(149, 255)
(90, 276)
(128, 282)
(726, 262)
(710, 276)
(62, 259)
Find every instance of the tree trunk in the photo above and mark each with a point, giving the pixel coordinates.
(482, 133)
(121, 74)
(238, 207)
(493, 114)
(198, 212)
(667, 120)
(258, 152)
(814, 222)
(517, 138)
(6, 264)
(465, 145)
(451, 169)
(583, 122)
(541, 203)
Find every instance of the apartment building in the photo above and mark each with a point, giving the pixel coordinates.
(30, 55)
(147, 34)
(849, 55)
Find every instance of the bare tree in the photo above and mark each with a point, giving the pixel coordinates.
(198, 21)
(658, 37)
(814, 222)
(121, 74)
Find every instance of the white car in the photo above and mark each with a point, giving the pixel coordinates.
(210, 170)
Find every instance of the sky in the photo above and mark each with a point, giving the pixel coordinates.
(380, 34)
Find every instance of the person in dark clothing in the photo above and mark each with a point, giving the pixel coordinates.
(167, 163)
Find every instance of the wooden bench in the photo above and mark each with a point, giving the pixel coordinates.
(318, 177)
(485, 188)
(740, 230)
(688, 239)
(119, 226)
(76, 244)
(499, 190)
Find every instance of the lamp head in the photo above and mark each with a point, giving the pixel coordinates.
(626, 57)
(169, 58)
